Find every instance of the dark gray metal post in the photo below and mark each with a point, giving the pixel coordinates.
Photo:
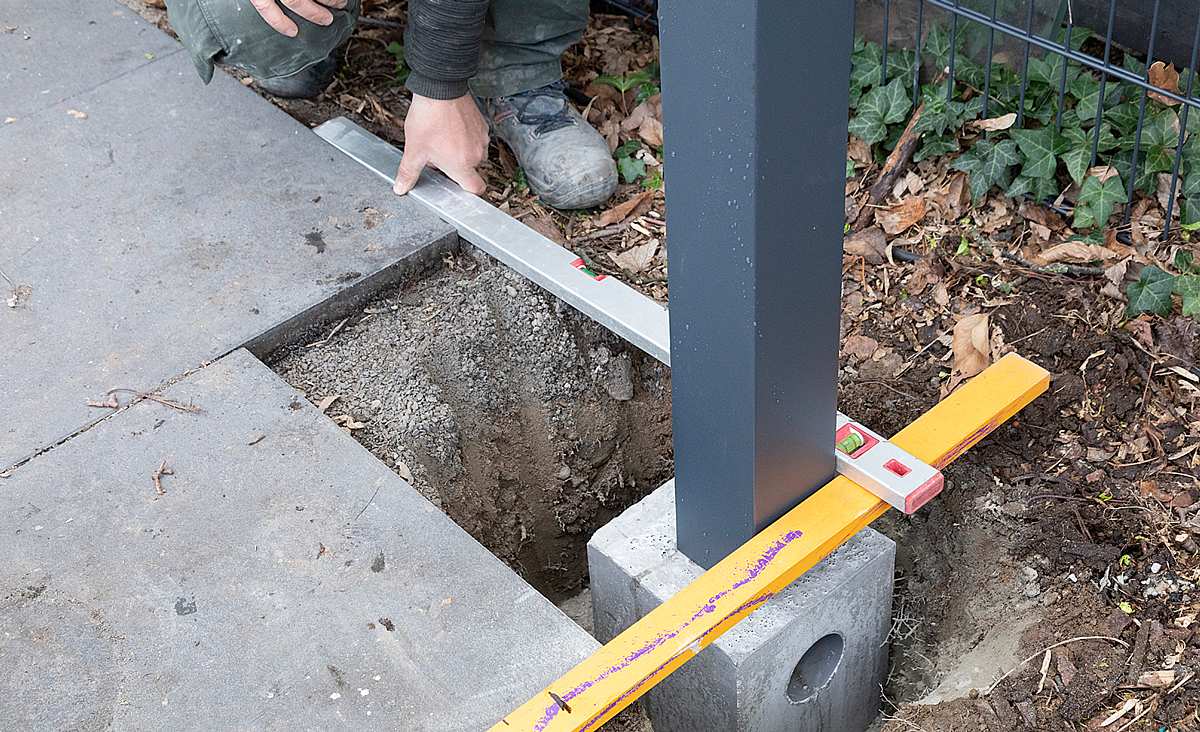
(755, 105)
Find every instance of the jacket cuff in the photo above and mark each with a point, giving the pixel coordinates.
(426, 86)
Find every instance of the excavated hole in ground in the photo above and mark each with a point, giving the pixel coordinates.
(527, 423)
(531, 427)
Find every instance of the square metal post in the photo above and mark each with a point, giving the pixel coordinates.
(755, 99)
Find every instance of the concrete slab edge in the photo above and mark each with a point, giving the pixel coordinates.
(337, 305)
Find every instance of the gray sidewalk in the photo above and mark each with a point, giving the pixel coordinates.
(171, 225)
(286, 580)
(151, 226)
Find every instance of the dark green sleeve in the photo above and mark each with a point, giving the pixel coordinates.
(441, 45)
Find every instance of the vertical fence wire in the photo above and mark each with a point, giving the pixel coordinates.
(887, 18)
(917, 65)
(1062, 82)
(1108, 42)
(1141, 123)
(1025, 65)
(953, 52)
(987, 62)
(1183, 123)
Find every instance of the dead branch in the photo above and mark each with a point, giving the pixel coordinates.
(897, 161)
(1058, 268)
(157, 476)
(190, 408)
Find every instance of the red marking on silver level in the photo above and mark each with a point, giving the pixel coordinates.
(883, 468)
(581, 265)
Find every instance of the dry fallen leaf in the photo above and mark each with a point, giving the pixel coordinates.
(995, 124)
(1156, 679)
(649, 109)
(651, 132)
(622, 211)
(348, 422)
(971, 343)
(926, 272)
(1116, 277)
(1163, 191)
(636, 259)
(544, 224)
(1165, 77)
(327, 402)
(954, 198)
(77, 114)
(860, 347)
(1076, 251)
(859, 151)
(1141, 330)
(19, 296)
(403, 471)
(896, 219)
(870, 244)
(1103, 172)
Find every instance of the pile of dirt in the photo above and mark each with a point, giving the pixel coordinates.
(528, 424)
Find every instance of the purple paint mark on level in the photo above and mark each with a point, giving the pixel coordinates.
(710, 606)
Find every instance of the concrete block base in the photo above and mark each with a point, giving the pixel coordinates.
(811, 659)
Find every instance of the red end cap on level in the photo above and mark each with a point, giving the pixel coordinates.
(926, 493)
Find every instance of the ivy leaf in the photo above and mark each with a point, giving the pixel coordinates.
(1133, 64)
(933, 147)
(902, 65)
(1039, 189)
(938, 114)
(1097, 200)
(1151, 293)
(1040, 149)
(1048, 71)
(1188, 287)
(1162, 129)
(1077, 160)
(866, 64)
(631, 169)
(1078, 37)
(937, 45)
(1086, 90)
(1124, 117)
(1078, 146)
(1189, 212)
(988, 164)
(1185, 262)
(880, 107)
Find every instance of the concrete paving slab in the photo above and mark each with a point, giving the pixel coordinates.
(172, 225)
(286, 580)
(54, 49)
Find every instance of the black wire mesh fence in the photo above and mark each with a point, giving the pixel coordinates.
(1116, 120)
(1104, 94)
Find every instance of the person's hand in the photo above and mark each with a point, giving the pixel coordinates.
(451, 135)
(314, 11)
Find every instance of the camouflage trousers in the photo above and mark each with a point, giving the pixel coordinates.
(523, 40)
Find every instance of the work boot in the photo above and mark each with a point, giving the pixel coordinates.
(306, 83)
(566, 162)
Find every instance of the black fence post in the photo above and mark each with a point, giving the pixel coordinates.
(755, 99)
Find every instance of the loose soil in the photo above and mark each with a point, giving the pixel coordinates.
(1052, 586)
(528, 424)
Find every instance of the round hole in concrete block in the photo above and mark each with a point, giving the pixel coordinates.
(815, 669)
